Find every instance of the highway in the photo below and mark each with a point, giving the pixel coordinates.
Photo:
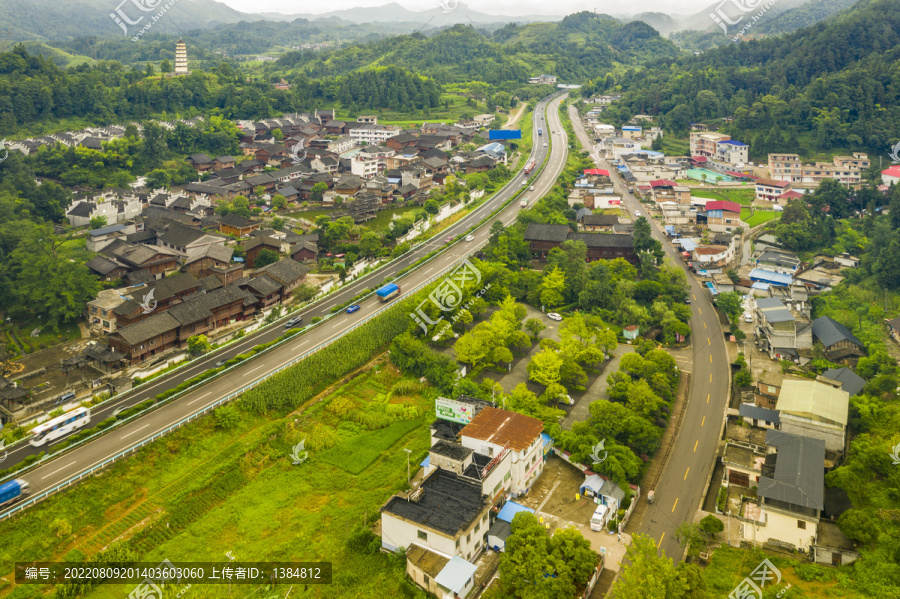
(679, 492)
(87, 455)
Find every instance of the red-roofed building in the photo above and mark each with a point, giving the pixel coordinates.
(788, 196)
(493, 431)
(722, 215)
(891, 175)
(662, 183)
(596, 171)
(697, 160)
(769, 189)
(738, 175)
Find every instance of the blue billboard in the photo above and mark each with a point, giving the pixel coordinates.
(505, 134)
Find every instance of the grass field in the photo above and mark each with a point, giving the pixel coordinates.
(744, 197)
(759, 216)
(205, 490)
(380, 221)
(675, 147)
(358, 453)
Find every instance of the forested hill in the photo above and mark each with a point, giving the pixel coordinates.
(578, 48)
(833, 85)
(802, 16)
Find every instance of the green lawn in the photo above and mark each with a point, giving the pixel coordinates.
(759, 216)
(744, 197)
(357, 453)
(676, 147)
(205, 490)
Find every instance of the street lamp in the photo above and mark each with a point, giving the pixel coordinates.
(408, 451)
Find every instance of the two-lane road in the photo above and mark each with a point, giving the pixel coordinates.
(679, 492)
(88, 455)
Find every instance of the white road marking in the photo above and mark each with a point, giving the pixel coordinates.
(254, 370)
(134, 431)
(55, 471)
(198, 399)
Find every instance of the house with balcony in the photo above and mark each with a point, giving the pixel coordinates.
(493, 431)
(781, 332)
(772, 190)
(779, 261)
(786, 167)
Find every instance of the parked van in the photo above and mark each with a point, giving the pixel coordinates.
(598, 520)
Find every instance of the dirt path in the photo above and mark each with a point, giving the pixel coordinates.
(512, 121)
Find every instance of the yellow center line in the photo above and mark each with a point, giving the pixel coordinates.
(704, 325)
(710, 358)
(676, 503)
(686, 473)
(707, 398)
(710, 377)
(699, 310)
(695, 444)
(708, 341)
(703, 422)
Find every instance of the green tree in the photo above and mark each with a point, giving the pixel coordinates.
(98, 222)
(279, 201)
(317, 191)
(369, 244)
(432, 207)
(198, 345)
(227, 417)
(729, 302)
(157, 179)
(534, 326)
(277, 134)
(648, 575)
(711, 525)
(545, 367)
(165, 66)
(553, 288)
(265, 257)
(277, 223)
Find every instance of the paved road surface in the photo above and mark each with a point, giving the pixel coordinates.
(679, 492)
(72, 463)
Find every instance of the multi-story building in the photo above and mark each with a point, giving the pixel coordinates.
(447, 513)
(373, 134)
(846, 169)
(785, 167)
(719, 147)
(779, 331)
(790, 496)
(771, 190)
(816, 410)
(493, 431)
(543, 80)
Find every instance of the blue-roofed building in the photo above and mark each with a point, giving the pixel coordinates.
(773, 278)
(511, 509)
(548, 444)
(732, 152)
(102, 237)
(688, 245)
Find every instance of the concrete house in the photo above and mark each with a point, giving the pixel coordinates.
(814, 409)
(493, 431)
(790, 494)
(780, 331)
(446, 513)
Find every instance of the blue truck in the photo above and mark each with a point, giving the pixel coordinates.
(540, 131)
(13, 491)
(388, 292)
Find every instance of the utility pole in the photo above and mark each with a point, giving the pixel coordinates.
(408, 451)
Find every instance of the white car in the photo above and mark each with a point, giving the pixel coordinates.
(554, 316)
(748, 317)
(545, 145)
(570, 400)
(636, 213)
(470, 238)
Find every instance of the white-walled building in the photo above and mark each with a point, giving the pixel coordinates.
(494, 431)
(373, 134)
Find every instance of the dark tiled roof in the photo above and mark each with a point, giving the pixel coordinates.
(148, 328)
(237, 221)
(851, 382)
(829, 331)
(264, 285)
(84, 209)
(445, 501)
(799, 471)
(286, 271)
(604, 240)
(102, 265)
(547, 232)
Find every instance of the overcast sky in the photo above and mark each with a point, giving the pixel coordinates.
(496, 7)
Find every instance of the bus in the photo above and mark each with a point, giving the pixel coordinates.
(529, 167)
(60, 426)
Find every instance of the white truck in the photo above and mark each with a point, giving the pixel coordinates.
(523, 204)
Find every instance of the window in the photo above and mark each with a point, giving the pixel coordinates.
(497, 488)
(422, 535)
(477, 526)
(484, 519)
(93, 309)
(425, 579)
(801, 524)
(457, 543)
(468, 538)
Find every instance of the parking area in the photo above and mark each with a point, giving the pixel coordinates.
(553, 497)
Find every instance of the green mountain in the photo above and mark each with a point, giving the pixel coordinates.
(663, 23)
(803, 16)
(53, 20)
(830, 86)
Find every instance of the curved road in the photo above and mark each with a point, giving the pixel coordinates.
(679, 492)
(88, 455)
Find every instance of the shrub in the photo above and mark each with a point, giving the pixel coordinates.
(809, 572)
(226, 417)
(316, 319)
